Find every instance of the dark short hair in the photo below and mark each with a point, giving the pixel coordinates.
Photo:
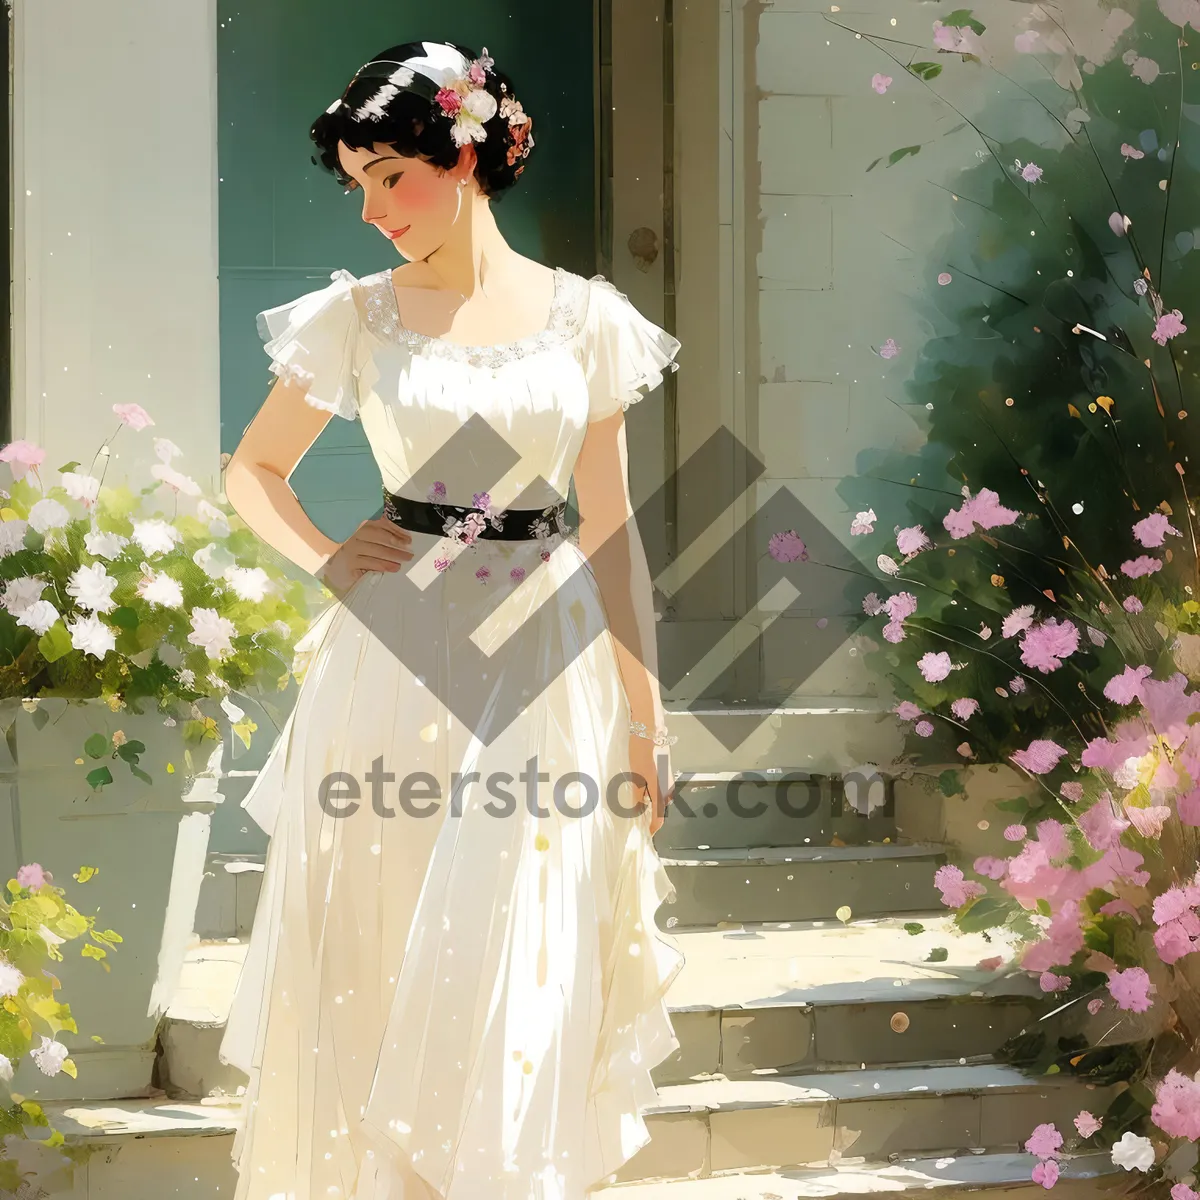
(411, 125)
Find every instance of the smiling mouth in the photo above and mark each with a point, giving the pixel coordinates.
(395, 233)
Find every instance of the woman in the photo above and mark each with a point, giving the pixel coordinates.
(455, 985)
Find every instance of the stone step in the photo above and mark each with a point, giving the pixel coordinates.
(778, 807)
(952, 1177)
(800, 883)
(821, 734)
(801, 996)
(148, 1149)
(720, 1124)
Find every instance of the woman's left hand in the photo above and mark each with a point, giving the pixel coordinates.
(653, 764)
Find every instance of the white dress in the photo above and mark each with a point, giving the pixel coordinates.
(476, 997)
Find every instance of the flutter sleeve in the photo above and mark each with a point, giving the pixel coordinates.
(313, 342)
(624, 354)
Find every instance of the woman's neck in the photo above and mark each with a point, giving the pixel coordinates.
(468, 261)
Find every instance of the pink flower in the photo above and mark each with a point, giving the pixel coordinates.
(1177, 1106)
(1181, 1191)
(133, 415)
(1031, 173)
(1094, 1006)
(944, 278)
(912, 541)
(1071, 790)
(437, 492)
(1127, 687)
(864, 522)
(31, 876)
(955, 889)
(1131, 604)
(1039, 757)
(1087, 1124)
(906, 710)
(1173, 942)
(983, 509)
(449, 101)
(1167, 326)
(1137, 568)
(1049, 982)
(990, 867)
(1046, 1173)
(1152, 530)
(881, 83)
(964, 708)
(787, 546)
(1148, 821)
(1130, 989)
(1131, 151)
(442, 563)
(889, 349)
(22, 457)
(934, 666)
(923, 729)
(1044, 646)
(517, 574)
(476, 75)
(1015, 833)
(1171, 905)
(901, 605)
(483, 574)
(1044, 1142)
(990, 964)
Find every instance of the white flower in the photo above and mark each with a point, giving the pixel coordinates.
(887, 565)
(214, 559)
(231, 710)
(1134, 1153)
(10, 978)
(156, 536)
(12, 536)
(216, 682)
(212, 631)
(6, 1069)
(92, 587)
(480, 104)
(218, 526)
(81, 486)
(188, 678)
(92, 636)
(249, 583)
(165, 449)
(173, 479)
(19, 594)
(49, 1056)
(39, 617)
(161, 591)
(48, 514)
(104, 545)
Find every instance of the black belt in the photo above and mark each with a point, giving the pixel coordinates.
(451, 520)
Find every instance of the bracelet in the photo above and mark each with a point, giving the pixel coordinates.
(660, 737)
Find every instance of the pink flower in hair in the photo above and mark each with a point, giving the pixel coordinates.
(449, 101)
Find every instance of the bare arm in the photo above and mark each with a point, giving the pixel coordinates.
(609, 538)
(256, 479)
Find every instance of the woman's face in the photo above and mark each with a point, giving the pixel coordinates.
(411, 202)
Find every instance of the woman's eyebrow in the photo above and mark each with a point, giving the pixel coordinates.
(385, 158)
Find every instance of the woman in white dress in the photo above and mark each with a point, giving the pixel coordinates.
(455, 985)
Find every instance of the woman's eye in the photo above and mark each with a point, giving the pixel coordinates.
(391, 181)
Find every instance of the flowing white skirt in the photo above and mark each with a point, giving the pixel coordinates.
(477, 996)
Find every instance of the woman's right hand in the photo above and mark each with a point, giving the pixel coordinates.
(376, 545)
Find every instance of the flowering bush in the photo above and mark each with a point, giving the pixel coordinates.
(35, 920)
(148, 600)
(1056, 399)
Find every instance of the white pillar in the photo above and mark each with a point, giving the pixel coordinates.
(115, 227)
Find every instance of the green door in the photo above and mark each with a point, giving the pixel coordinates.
(285, 225)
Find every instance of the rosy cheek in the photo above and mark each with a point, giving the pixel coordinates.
(415, 195)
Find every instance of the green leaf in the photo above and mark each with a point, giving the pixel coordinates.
(140, 774)
(962, 18)
(913, 927)
(71, 466)
(986, 913)
(131, 751)
(55, 643)
(1043, 906)
(938, 954)
(124, 617)
(99, 777)
(925, 70)
(903, 152)
(874, 164)
(1017, 805)
(951, 784)
(97, 746)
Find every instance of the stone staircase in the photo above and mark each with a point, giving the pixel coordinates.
(836, 1031)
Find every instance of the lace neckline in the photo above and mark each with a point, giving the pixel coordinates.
(383, 316)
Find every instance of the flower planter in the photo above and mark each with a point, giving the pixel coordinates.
(148, 843)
